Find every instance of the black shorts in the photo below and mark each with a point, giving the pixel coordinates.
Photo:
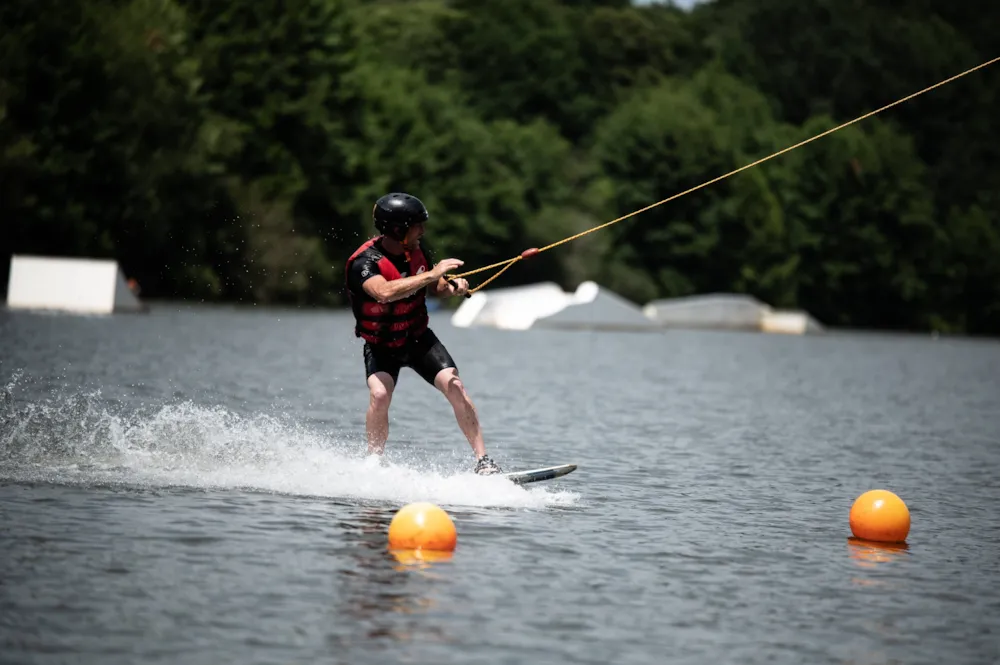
(426, 355)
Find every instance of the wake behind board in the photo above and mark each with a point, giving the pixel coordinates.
(543, 473)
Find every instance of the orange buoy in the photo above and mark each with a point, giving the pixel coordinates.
(880, 516)
(422, 526)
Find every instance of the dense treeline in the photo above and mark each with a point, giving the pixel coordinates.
(232, 149)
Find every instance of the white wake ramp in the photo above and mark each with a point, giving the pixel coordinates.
(80, 439)
(546, 305)
(69, 285)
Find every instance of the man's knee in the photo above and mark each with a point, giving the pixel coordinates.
(380, 398)
(380, 391)
(450, 384)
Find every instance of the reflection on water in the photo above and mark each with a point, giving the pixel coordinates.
(421, 560)
(869, 555)
(386, 591)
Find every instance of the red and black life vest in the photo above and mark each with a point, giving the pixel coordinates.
(393, 323)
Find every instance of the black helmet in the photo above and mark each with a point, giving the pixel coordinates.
(395, 213)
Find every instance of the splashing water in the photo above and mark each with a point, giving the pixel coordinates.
(84, 439)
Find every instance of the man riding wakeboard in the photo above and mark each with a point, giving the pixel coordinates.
(388, 278)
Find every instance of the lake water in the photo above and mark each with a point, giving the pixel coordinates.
(189, 486)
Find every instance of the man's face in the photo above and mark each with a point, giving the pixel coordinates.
(413, 235)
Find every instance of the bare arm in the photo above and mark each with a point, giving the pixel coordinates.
(384, 290)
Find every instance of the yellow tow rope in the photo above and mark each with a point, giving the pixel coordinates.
(528, 253)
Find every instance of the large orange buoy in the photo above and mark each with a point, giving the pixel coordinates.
(880, 516)
(422, 526)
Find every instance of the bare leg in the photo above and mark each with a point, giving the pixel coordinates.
(447, 382)
(380, 387)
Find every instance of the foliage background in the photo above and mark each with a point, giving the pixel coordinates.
(230, 150)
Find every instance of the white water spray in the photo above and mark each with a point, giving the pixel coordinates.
(83, 439)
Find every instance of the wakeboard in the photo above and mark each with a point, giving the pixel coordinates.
(542, 473)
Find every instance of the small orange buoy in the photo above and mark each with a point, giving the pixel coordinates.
(422, 526)
(880, 516)
(528, 253)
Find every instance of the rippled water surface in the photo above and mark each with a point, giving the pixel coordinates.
(190, 486)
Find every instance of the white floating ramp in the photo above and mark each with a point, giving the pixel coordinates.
(546, 305)
(791, 322)
(728, 311)
(83, 286)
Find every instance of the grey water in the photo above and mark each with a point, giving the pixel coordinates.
(189, 486)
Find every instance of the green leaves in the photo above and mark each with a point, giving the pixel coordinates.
(863, 194)
(669, 140)
(232, 149)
